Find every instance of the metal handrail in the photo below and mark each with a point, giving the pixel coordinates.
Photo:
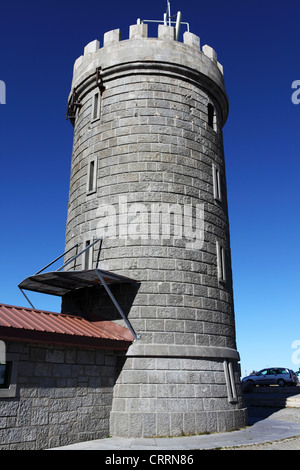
(79, 254)
(56, 259)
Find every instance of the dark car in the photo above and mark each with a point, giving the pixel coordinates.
(272, 376)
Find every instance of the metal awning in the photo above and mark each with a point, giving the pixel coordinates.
(61, 282)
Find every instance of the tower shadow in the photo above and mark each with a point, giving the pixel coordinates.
(264, 402)
(94, 303)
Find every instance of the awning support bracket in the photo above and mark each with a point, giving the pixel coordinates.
(56, 259)
(103, 282)
(26, 297)
(100, 276)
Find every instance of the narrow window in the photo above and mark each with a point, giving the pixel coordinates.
(96, 106)
(211, 115)
(221, 260)
(217, 183)
(5, 370)
(8, 379)
(92, 176)
(87, 255)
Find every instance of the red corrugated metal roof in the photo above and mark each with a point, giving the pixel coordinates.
(31, 324)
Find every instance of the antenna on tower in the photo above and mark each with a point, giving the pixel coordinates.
(167, 20)
(168, 14)
(178, 23)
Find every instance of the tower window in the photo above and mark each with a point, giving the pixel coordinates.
(87, 256)
(221, 263)
(217, 183)
(96, 108)
(92, 176)
(211, 116)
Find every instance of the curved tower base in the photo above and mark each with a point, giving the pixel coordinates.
(170, 395)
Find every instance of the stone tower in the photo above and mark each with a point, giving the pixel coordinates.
(148, 176)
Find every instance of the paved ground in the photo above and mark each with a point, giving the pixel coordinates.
(273, 425)
(290, 415)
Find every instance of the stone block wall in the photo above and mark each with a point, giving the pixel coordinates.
(168, 396)
(61, 396)
(153, 149)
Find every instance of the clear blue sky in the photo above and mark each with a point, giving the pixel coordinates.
(258, 44)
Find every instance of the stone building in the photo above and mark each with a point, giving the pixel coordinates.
(57, 380)
(148, 209)
(148, 176)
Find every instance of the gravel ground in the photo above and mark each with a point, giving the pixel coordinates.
(286, 414)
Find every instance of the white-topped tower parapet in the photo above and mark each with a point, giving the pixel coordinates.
(140, 50)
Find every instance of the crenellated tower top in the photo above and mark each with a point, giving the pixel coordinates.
(141, 51)
(140, 31)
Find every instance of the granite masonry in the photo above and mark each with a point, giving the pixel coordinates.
(148, 176)
(57, 396)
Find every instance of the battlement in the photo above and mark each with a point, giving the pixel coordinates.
(162, 54)
(140, 32)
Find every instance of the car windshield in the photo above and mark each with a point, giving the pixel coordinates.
(262, 372)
